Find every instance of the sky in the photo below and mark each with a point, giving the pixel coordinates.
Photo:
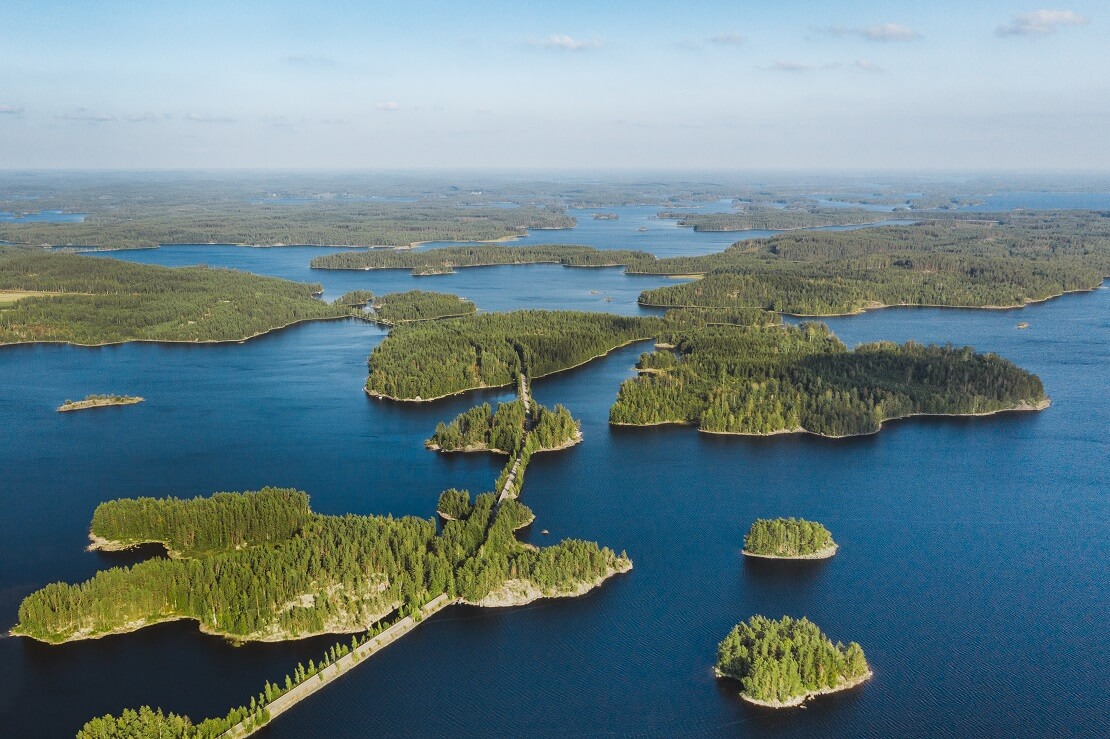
(1004, 85)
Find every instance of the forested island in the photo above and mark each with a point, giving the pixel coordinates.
(503, 431)
(755, 218)
(417, 305)
(783, 663)
(355, 299)
(787, 379)
(106, 301)
(789, 538)
(951, 260)
(98, 401)
(424, 361)
(444, 260)
(327, 222)
(263, 567)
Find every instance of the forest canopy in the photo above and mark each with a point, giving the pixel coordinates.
(418, 305)
(787, 537)
(802, 378)
(502, 431)
(429, 360)
(782, 662)
(100, 301)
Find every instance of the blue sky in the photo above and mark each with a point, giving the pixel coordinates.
(755, 85)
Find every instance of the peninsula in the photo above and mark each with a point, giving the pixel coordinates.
(781, 664)
(788, 538)
(482, 429)
(792, 379)
(418, 305)
(97, 301)
(98, 401)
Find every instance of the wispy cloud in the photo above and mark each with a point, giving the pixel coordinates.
(866, 65)
(783, 66)
(86, 116)
(563, 42)
(203, 118)
(11, 110)
(389, 105)
(1040, 23)
(727, 39)
(308, 60)
(884, 32)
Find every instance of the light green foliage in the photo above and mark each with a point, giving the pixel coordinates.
(787, 537)
(785, 659)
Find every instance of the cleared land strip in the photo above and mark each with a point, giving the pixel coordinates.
(332, 672)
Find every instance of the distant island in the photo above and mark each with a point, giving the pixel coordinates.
(606, 216)
(781, 664)
(763, 218)
(788, 538)
(98, 401)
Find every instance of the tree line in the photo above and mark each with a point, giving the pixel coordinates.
(802, 378)
(427, 360)
(106, 300)
(481, 428)
(786, 537)
(418, 305)
(776, 661)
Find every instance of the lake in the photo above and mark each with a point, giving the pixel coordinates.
(973, 566)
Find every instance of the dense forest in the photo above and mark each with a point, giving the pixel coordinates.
(327, 222)
(417, 305)
(775, 219)
(502, 431)
(781, 662)
(447, 258)
(428, 360)
(724, 316)
(106, 301)
(802, 378)
(261, 566)
(787, 537)
(945, 262)
(355, 298)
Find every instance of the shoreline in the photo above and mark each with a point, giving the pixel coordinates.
(383, 396)
(196, 342)
(1022, 407)
(796, 701)
(88, 404)
(515, 593)
(825, 553)
(882, 306)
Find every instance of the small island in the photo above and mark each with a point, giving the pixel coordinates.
(355, 299)
(481, 429)
(417, 305)
(606, 217)
(781, 664)
(98, 401)
(788, 538)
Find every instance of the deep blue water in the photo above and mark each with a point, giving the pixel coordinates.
(43, 216)
(974, 562)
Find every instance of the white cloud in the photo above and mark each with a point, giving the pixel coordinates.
(87, 116)
(1040, 23)
(563, 42)
(11, 110)
(866, 65)
(727, 39)
(781, 66)
(884, 32)
(389, 105)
